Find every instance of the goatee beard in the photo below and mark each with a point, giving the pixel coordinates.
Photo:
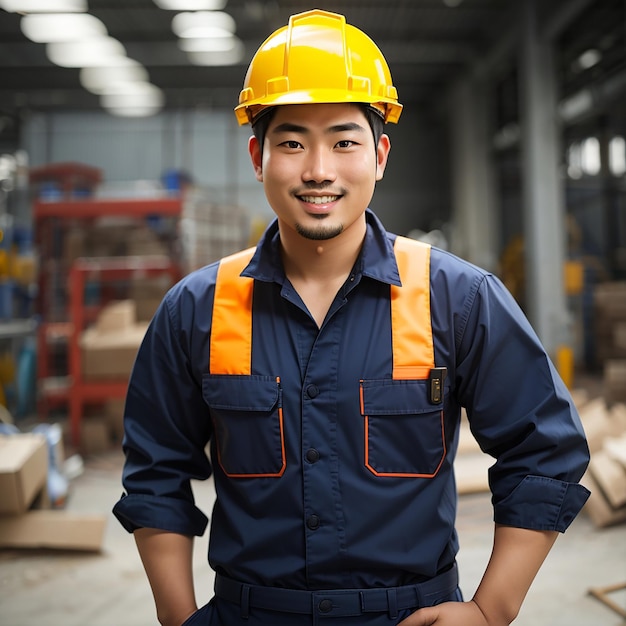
(319, 233)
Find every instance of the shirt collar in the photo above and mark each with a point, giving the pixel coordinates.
(376, 260)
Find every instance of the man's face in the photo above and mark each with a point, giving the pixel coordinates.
(319, 167)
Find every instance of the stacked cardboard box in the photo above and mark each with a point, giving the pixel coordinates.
(109, 348)
(26, 519)
(210, 230)
(610, 338)
(606, 476)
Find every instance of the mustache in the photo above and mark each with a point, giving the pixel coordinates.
(314, 186)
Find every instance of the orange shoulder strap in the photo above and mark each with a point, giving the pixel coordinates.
(412, 339)
(412, 335)
(231, 325)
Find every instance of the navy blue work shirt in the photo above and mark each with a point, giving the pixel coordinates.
(328, 521)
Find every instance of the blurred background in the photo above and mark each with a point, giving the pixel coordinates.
(122, 168)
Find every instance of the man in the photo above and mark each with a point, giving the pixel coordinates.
(327, 370)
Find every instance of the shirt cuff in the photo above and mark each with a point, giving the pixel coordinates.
(541, 503)
(137, 510)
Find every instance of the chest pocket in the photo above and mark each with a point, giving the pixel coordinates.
(246, 410)
(247, 415)
(404, 432)
(404, 420)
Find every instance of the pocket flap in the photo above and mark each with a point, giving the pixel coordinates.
(240, 393)
(395, 397)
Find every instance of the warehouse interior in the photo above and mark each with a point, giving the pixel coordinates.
(510, 152)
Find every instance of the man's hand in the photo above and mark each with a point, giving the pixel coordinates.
(448, 614)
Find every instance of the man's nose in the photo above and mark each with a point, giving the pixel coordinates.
(319, 166)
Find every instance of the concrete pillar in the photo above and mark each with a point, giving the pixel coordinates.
(544, 224)
(475, 223)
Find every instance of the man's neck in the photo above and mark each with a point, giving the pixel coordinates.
(321, 260)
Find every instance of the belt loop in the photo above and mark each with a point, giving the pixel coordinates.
(245, 602)
(392, 603)
(418, 596)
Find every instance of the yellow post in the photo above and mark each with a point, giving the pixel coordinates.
(565, 364)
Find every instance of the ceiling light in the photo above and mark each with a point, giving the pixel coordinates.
(589, 58)
(47, 27)
(98, 80)
(135, 95)
(138, 111)
(191, 5)
(209, 44)
(219, 58)
(203, 24)
(44, 6)
(86, 52)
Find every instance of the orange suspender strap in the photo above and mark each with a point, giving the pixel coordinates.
(412, 338)
(412, 335)
(231, 326)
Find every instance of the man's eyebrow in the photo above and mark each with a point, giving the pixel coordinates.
(288, 127)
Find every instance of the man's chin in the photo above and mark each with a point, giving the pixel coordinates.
(319, 233)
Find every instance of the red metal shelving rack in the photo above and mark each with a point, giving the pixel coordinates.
(82, 391)
(51, 220)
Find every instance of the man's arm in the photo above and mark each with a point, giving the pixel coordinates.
(167, 559)
(515, 560)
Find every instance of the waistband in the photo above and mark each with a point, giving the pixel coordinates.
(338, 602)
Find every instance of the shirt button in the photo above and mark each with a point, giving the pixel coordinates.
(325, 606)
(313, 522)
(312, 455)
(312, 391)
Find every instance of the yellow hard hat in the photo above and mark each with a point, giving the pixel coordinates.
(318, 58)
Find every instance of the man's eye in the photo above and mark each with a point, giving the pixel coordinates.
(345, 143)
(292, 144)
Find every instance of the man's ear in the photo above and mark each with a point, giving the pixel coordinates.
(256, 157)
(382, 154)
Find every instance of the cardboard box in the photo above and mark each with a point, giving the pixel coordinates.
(110, 355)
(610, 476)
(598, 508)
(596, 422)
(116, 316)
(53, 529)
(114, 415)
(95, 437)
(23, 470)
(615, 380)
(148, 293)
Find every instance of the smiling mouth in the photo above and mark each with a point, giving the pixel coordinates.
(319, 199)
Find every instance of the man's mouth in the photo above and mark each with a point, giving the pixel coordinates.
(319, 199)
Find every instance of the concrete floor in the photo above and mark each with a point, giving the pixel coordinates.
(52, 588)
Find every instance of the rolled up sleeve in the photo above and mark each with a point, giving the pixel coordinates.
(166, 429)
(522, 414)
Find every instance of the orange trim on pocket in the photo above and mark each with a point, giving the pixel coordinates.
(231, 325)
(412, 336)
(277, 474)
(403, 474)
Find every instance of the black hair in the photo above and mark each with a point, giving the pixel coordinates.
(263, 119)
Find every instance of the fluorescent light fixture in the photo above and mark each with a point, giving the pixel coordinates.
(133, 95)
(617, 156)
(216, 58)
(48, 27)
(576, 105)
(99, 80)
(589, 58)
(142, 111)
(86, 52)
(44, 6)
(226, 43)
(203, 24)
(191, 5)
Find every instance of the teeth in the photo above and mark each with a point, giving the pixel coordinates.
(319, 199)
